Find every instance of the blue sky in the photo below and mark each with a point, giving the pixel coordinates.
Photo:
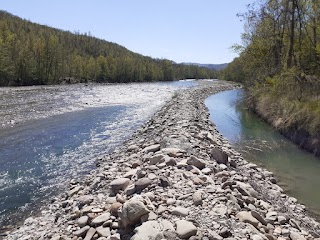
(181, 30)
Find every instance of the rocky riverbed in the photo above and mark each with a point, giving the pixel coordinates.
(176, 178)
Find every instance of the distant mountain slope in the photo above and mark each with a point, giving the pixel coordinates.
(33, 54)
(216, 67)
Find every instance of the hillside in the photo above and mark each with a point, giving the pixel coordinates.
(216, 67)
(33, 54)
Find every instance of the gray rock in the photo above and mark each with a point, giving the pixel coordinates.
(258, 217)
(154, 160)
(166, 225)
(103, 231)
(225, 232)
(132, 211)
(282, 219)
(99, 220)
(152, 176)
(82, 221)
(152, 148)
(164, 182)
(148, 230)
(130, 173)
(132, 148)
(226, 184)
(246, 190)
(82, 231)
(257, 237)
(115, 237)
(180, 211)
(271, 216)
(198, 163)
(171, 162)
(296, 236)
(75, 190)
(219, 156)
(142, 183)
(129, 190)
(185, 229)
(119, 184)
(148, 217)
(214, 235)
(294, 224)
(219, 210)
(90, 234)
(197, 198)
(114, 208)
(172, 152)
(246, 217)
(206, 171)
(84, 200)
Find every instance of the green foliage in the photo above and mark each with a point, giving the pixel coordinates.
(35, 54)
(279, 62)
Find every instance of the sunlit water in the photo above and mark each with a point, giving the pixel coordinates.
(52, 134)
(297, 170)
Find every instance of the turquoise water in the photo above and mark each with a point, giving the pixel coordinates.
(297, 171)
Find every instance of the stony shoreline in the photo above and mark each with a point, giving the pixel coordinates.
(177, 177)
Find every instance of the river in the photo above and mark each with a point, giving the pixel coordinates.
(297, 171)
(51, 134)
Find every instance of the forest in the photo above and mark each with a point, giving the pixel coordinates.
(279, 63)
(33, 54)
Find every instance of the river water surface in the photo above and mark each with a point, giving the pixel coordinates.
(49, 135)
(298, 171)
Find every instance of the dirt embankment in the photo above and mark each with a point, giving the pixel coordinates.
(287, 123)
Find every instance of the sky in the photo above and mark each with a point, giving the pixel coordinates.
(200, 31)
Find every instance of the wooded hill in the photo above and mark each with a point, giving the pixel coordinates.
(279, 63)
(32, 54)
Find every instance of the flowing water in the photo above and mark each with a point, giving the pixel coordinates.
(49, 135)
(298, 171)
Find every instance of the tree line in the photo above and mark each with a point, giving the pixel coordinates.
(279, 62)
(32, 54)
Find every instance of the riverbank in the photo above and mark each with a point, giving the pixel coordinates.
(298, 121)
(176, 177)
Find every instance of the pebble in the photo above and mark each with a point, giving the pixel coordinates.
(152, 148)
(180, 211)
(119, 184)
(90, 234)
(103, 231)
(296, 236)
(99, 220)
(82, 231)
(194, 161)
(197, 198)
(142, 183)
(246, 217)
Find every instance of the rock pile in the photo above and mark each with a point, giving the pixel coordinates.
(176, 178)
